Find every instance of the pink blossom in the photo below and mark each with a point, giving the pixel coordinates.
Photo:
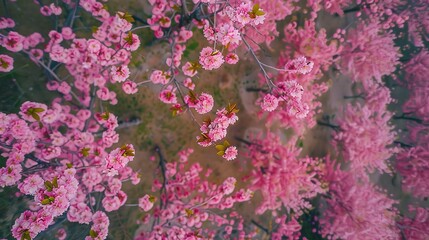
(230, 153)
(210, 59)
(103, 93)
(6, 63)
(31, 184)
(228, 186)
(32, 111)
(299, 65)
(228, 34)
(67, 33)
(61, 234)
(131, 42)
(158, 76)
(356, 209)
(190, 69)
(269, 103)
(6, 23)
(205, 103)
(416, 227)
(281, 176)
(189, 84)
(146, 202)
(129, 87)
(13, 42)
(119, 158)
(55, 10)
(120, 73)
(31, 224)
(231, 58)
(93, 45)
(167, 95)
(369, 53)
(10, 175)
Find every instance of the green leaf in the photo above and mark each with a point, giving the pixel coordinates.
(128, 17)
(3, 63)
(255, 8)
(48, 186)
(220, 147)
(45, 201)
(94, 29)
(69, 165)
(189, 212)
(93, 233)
(55, 182)
(105, 116)
(38, 110)
(259, 13)
(220, 153)
(256, 11)
(226, 144)
(26, 235)
(35, 116)
(85, 152)
(129, 38)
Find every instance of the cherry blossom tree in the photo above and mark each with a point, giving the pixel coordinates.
(65, 160)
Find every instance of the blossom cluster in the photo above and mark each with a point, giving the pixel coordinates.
(356, 209)
(281, 176)
(215, 130)
(191, 201)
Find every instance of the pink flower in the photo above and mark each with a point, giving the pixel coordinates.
(13, 42)
(61, 234)
(103, 93)
(111, 203)
(67, 33)
(269, 103)
(190, 69)
(158, 76)
(369, 53)
(228, 34)
(31, 184)
(299, 65)
(129, 87)
(46, 11)
(120, 73)
(29, 224)
(10, 175)
(230, 153)
(189, 84)
(6, 23)
(6, 63)
(146, 202)
(55, 10)
(32, 111)
(228, 186)
(167, 95)
(231, 58)
(205, 103)
(64, 88)
(119, 158)
(93, 45)
(242, 13)
(131, 42)
(210, 59)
